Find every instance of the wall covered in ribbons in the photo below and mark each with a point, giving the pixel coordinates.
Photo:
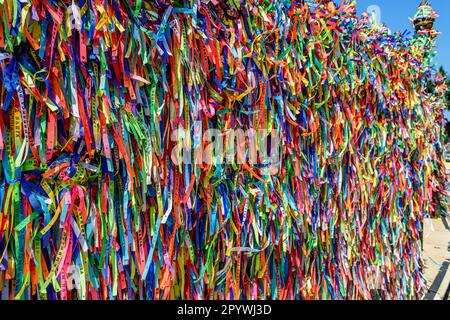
(204, 149)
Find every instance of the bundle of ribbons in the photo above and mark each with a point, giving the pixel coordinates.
(96, 95)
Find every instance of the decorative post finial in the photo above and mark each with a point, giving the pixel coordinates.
(424, 18)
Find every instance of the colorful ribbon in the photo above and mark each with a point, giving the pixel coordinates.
(94, 207)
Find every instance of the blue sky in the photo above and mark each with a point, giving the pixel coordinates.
(395, 14)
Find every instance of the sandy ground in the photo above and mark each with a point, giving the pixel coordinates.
(436, 250)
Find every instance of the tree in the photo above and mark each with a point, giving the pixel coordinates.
(446, 77)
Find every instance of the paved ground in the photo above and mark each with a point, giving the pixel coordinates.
(436, 250)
